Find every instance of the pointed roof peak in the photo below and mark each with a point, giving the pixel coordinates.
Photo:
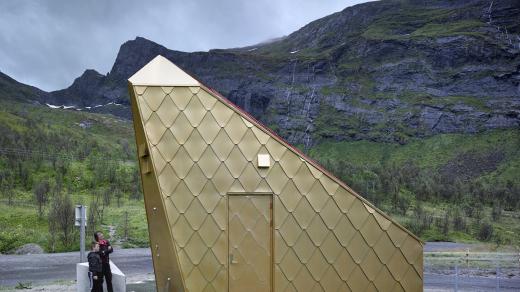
(161, 72)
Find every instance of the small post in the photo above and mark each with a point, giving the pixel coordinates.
(456, 277)
(467, 257)
(81, 216)
(82, 235)
(498, 277)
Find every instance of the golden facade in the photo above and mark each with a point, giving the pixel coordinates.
(232, 207)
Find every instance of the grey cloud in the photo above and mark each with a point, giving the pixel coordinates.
(48, 43)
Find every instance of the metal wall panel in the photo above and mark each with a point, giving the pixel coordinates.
(250, 247)
(326, 237)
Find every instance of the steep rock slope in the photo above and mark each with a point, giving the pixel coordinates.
(385, 71)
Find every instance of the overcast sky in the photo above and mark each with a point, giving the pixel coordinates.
(48, 43)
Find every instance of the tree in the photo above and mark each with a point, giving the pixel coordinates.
(61, 219)
(23, 174)
(93, 216)
(496, 211)
(126, 226)
(97, 206)
(459, 223)
(107, 196)
(119, 195)
(446, 223)
(7, 185)
(41, 191)
(136, 189)
(485, 231)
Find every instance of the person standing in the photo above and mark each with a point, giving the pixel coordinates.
(105, 249)
(95, 268)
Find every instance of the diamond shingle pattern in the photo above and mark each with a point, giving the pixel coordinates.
(159, 160)
(208, 128)
(331, 248)
(290, 196)
(145, 109)
(276, 178)
(317, 265)
(181, 128)
(249, 178)
(276, 149)
(304, 179)
(195, 145)
(181, 163)
(195, 214)
(317, 196)
(168, 180)
(304, 280)
(181, 96)
(168, 146)
(195, 111)
(181, 197)
(209, 197)
(324, 237)
(207, 99)
(303, 212)
(153, 96)
(168, 112)
(249, 145)
(208, 162)
(209, 231)
(304, 247)
(290, 231)
(154, 129)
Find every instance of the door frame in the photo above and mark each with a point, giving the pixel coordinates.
(271, 239)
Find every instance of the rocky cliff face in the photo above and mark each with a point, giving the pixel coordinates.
(385, 70)
(14, 90)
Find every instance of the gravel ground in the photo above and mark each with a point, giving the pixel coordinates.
(446, 246)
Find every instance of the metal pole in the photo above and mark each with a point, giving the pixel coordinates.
(456, 277)
(498, 276)
(82, 234)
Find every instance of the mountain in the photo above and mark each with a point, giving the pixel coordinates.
(440, 78)
(14, 90)
(381, 71)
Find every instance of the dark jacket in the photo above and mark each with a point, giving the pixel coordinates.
(104, 251)
(94, 262)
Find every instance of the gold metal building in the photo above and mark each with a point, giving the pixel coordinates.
(233, 207)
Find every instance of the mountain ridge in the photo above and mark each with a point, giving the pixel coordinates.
(385, 71)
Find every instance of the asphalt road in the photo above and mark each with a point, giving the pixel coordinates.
(46, 268)
(447, 283)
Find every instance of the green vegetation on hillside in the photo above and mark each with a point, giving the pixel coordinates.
(51, 160)
(456, 187)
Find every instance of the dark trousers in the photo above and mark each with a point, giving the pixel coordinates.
(97, 284)
(107, 273)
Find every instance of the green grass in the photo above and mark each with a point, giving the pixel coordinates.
(364, 158)
(20, 224)
(434, 30)
(86, 172)
(411, 22)
(94, 159)
(429, 152)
